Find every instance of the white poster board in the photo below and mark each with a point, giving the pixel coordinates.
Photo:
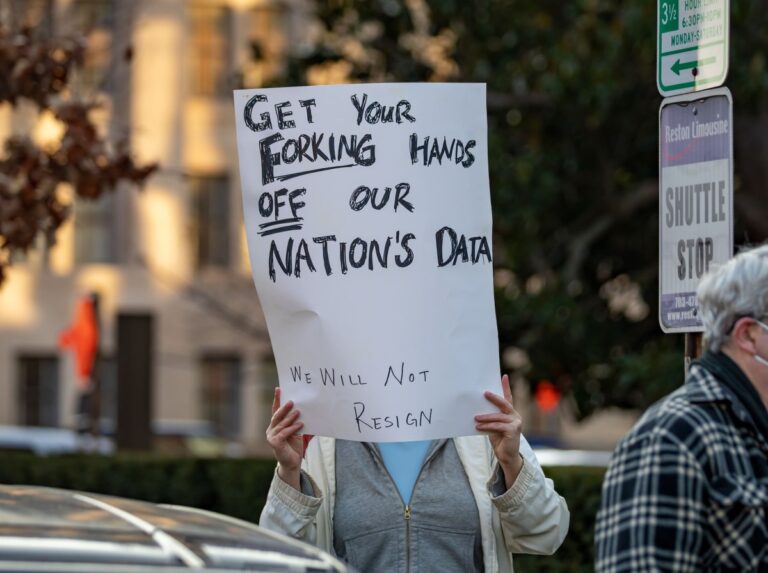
(368, 216)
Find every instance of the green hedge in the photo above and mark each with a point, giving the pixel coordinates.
(581, 489)
(234, 487)
(239, 487)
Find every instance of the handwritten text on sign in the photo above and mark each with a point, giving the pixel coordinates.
(369, 228)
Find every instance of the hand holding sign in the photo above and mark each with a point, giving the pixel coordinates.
(286, 441)
(505, 428)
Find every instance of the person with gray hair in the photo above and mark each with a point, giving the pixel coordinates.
(734, 290)
(687, 488)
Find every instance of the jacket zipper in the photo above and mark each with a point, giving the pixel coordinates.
(406, 507)
(407, 515)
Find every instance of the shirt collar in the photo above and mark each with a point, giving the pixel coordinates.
(702, 387)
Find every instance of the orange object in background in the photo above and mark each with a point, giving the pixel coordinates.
(307, 438)
(83, 339)
(547, 396)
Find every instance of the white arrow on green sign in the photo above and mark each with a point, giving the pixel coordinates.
(677, 67)
(693, 41)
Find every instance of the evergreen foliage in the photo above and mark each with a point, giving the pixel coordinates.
(573, 152)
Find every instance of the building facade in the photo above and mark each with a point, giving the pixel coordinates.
(163, 72)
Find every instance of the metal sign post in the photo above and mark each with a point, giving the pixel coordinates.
(695, 200)
(693, 343)
(692, 45)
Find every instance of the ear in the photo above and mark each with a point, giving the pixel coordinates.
(744, 335)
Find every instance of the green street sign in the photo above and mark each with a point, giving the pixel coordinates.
(692, 43)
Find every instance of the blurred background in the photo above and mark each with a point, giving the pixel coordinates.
(122, 242)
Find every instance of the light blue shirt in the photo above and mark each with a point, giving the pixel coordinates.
(403, 462)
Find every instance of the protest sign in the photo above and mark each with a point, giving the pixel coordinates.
(695, 200)
(368, 217)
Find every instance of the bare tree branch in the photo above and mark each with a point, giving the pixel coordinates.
(642, 195)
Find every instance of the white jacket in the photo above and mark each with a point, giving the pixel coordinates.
(529, 518)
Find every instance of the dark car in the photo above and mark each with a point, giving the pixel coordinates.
(45, 530)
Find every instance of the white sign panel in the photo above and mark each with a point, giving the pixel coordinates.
(692, 45)
(368, 215)
(695, 200)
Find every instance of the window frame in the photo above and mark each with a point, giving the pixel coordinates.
(227, 422)
(23, 377)
(210, 74)
(211, 232)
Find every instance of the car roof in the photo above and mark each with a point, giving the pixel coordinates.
(54, 529)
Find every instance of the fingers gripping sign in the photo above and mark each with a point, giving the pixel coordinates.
(285, 439)
(504, 429)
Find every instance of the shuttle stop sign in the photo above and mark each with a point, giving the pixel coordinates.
(695, 200)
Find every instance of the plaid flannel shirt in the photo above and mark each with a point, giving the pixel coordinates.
(687, 488)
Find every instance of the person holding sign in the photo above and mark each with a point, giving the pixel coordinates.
(462, 504)
(369, 223)
(687, 488)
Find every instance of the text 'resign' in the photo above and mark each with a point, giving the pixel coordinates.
(692, 40)
(368, 217)
(695, 200)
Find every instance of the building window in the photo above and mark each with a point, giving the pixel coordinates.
(106, 370)
(38, 391)
(95, 230)
(221, 394)
(210, 50)
(267, 35)
(94, 19)
(210, 198)
(36, 15)
(268, 381)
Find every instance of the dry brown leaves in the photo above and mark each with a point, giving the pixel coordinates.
(38, 70)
